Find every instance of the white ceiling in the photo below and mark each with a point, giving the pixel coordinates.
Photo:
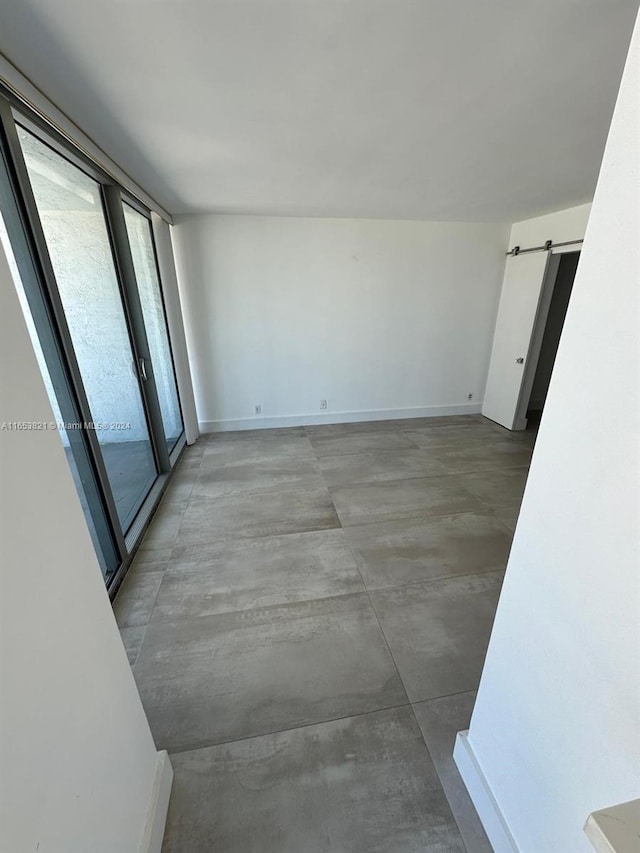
(417, 109)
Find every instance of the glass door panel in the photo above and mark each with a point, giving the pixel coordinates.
(146, 270)
(60, 397)
(70, 207)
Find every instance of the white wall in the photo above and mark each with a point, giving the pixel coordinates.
(568, 224)
(79, 769)
(556, 726)
(380, 318)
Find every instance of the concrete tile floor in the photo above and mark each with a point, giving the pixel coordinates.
(307, 620)
(440, 720)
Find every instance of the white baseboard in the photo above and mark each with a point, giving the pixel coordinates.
(153, 833)
(482, 797)
(265, 422)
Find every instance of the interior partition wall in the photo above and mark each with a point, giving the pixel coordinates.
(83, 260)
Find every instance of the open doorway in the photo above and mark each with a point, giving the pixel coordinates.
(546, 336)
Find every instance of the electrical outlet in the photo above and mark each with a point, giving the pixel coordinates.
(323, 404)
(469, 396)
(258, 409)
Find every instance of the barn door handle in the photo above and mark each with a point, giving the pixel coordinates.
(143, 369)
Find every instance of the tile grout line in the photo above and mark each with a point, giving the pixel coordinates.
(479, 472)
(375, 614)
(292, 728)
(433, 761)
(411, 703)
(148, 622)
(408, 704)
(140, 548)
(484, 509)
(435, 766)
(362, 591)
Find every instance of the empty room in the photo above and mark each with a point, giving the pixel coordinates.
(320, 430)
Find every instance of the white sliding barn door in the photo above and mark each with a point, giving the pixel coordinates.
(519, 301)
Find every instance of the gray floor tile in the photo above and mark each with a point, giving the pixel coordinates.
(440, 720)
(256, 573)
(483, 457)
(394, 425)
(258, 476)
(507, 516)
(151, 560)
(191, 451)
(132, 640)
(181, 485)
(413, 550)
(431, 438)
(224, 658)
(265, 449)
(235, 675)
(360, 443)
(164, 527)
(345, 430)
(526, 435)
(190, 463)
(250, 516)
(234, 436)
(414, 498)
(438, 632)
(364, 785)
(377, 467)
(499, 488)
(442, 420)
(136, 597)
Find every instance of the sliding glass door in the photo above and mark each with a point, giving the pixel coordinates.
(146, 273)
(45, 345)
(70, 207)
(83, 261)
